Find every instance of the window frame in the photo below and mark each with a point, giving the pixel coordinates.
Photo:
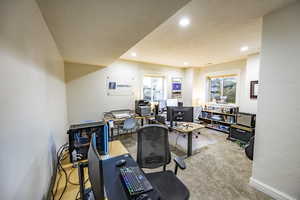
(209, 78)
(163, 87)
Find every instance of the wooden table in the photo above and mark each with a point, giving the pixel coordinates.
(188, 128)
(120, 120)
(107, 119)
(116, 148)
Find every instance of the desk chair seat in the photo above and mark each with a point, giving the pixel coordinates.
(169, 186)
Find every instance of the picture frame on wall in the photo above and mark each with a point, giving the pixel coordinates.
(254, 87)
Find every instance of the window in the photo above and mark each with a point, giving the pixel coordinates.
(153, 88)
(222, 89)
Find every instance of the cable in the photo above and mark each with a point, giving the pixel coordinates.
(57, 168)
(76, 198)
(66, 180)
(72, 183)
(60, 155)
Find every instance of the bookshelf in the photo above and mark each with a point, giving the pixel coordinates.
(219, 117)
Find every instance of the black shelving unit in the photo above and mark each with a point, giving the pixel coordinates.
(219, 121)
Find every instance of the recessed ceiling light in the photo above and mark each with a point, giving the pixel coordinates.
(186, 63)
(244, 48)
(184, 22)
(133, 54)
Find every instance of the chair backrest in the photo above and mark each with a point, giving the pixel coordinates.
(249, 149)
(153, 146)
(129, 123)
(95, 170)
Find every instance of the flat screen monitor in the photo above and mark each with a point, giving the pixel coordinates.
(172, 102)
(95, 170)
(180, 114)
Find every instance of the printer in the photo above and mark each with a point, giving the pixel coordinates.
(143, 107)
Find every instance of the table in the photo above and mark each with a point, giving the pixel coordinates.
(107, 119)
(116, 148)
(120, 120)
(188, 128)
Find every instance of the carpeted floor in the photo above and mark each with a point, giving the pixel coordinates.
(218, 171)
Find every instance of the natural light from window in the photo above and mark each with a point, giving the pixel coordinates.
(222, 89)
(153, 88)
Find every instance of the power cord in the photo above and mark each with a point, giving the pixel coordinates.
(60, 155)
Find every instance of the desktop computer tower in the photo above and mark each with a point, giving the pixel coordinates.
(80, 136)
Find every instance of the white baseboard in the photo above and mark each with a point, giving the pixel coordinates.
(276, 194)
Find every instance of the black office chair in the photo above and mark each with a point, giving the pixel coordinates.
(249, 148)
(153, 152)
(95, 170)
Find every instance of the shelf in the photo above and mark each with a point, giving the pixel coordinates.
(217, 121)
(217, 129)
(221, 113)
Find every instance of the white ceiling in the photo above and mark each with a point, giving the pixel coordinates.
(100, 31)
(217, 31)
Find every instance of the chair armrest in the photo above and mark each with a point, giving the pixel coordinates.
(180, 162)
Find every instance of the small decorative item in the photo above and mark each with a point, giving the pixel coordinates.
(176, 88)
(254, 86)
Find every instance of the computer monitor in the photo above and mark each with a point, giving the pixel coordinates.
(95, 170)
(183, 114)
(180, 114)
(172, 102)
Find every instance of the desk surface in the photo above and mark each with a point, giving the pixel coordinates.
(187, 127)
(106, 119)
(116, 148)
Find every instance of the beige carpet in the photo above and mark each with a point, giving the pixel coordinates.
(218, 171)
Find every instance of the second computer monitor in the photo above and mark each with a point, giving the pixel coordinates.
(180, 114)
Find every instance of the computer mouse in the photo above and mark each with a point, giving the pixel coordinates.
(120, 163)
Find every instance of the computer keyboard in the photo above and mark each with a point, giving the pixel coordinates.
(135, 181)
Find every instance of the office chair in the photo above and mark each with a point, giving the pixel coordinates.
(129, 125)
(153, 152)
(249, 148)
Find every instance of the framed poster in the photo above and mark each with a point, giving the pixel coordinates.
(254, 87)
(176, 88)
(119, 86)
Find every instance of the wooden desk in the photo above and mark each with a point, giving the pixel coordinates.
(116, 148)
(107, 119)
(120, 120)
(188, 128)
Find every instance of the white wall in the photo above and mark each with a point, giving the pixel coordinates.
(187, 91)
(32, 101)
(86, 93)
(246, 71)
(250, 73)
(276, 167)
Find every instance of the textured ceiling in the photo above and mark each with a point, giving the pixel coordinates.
(99, 31)
(217, 31)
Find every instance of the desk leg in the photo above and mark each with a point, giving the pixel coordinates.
(142, 122)
(190, 144)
